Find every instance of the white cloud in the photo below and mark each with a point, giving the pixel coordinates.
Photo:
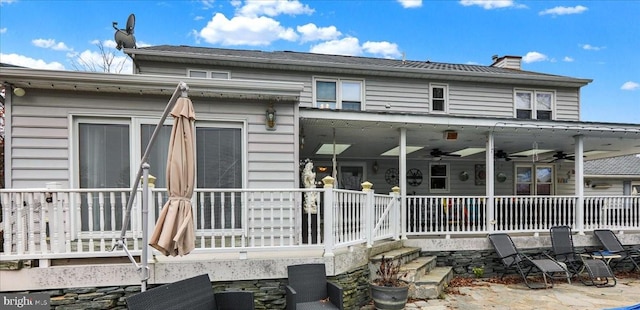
(3, 30)
(197, 18)
(242, 30)
(94, 61)
(28, 62)
(51, 43)
(3, 2)
(348, 46)
(385, 49)
(410, 3)
(590, 47)
(311, 32)
(253, 8)
(208, 4)
(534, 57)
(490, 4)
(564, 10)
(567, 59)
(630, 86)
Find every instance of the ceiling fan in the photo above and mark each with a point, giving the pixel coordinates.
(561, 156)
(501, 155)
(437, 153)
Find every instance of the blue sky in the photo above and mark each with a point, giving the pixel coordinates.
(598, 40)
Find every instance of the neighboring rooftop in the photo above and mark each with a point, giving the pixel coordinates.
(621, 165)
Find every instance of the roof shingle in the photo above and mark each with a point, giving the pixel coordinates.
(621, 165)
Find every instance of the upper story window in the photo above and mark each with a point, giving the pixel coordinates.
(534, 104)
(338, 94)
(209, 74)
(439, 96)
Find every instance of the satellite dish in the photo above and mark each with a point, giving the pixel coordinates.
(124, 37)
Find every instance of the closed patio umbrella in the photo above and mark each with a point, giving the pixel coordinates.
(174, 233)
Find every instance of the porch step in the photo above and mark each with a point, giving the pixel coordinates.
(414, 269)
(432, 284)
(384, 246)
(426, 281)
(403, 254)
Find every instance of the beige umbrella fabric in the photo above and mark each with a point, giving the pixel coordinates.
(174, 233)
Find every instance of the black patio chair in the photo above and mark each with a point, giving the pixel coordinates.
(598, 272)
(308, 288)
(525, 265)
(193, 293)
(612, 244)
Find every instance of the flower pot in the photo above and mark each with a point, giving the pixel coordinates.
(389, 297)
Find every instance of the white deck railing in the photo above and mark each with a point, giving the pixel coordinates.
(73, 223)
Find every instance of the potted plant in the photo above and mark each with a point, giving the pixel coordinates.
(388, 290)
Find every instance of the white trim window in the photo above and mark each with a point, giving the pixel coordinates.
(534, 180)
(109, 149)
(202, 74)
(439, 98)
(439, 178)
(534, 104)
(338, 94)
(103, 161)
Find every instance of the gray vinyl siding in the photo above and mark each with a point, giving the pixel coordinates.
(42, 150)
(403, 95)
(457, 187)
(614, 190)
(481, 100)
(567, 104)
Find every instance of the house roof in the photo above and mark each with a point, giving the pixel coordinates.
(349, 64)
(613, 166)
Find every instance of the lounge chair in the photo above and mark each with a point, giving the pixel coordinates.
(613, 246)
(194, 294)
(525, 265)
(308, 288)
(599, 273)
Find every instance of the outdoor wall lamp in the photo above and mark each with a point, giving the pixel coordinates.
(271, 118)
(375, 167)
(19, 91)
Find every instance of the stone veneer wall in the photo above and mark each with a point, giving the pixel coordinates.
(268, 294)
(463, 262)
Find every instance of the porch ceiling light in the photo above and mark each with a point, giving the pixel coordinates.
(532, 152)
(396, 150)
(327, 149)
(469, 151)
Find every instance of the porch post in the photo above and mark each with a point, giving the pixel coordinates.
(369, 211)
(403, 182)
(328, 216)
(489, 178)
(579, 167)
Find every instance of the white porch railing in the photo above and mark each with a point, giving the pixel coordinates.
(75, 223)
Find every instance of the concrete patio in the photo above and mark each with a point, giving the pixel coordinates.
(486, 295)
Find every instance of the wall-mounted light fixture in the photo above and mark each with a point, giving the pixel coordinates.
(19, 91)
(375, 167)
(271, 118)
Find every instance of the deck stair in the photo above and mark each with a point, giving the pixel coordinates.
(426, 280)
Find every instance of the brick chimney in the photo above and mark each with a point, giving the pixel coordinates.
(508, 62)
